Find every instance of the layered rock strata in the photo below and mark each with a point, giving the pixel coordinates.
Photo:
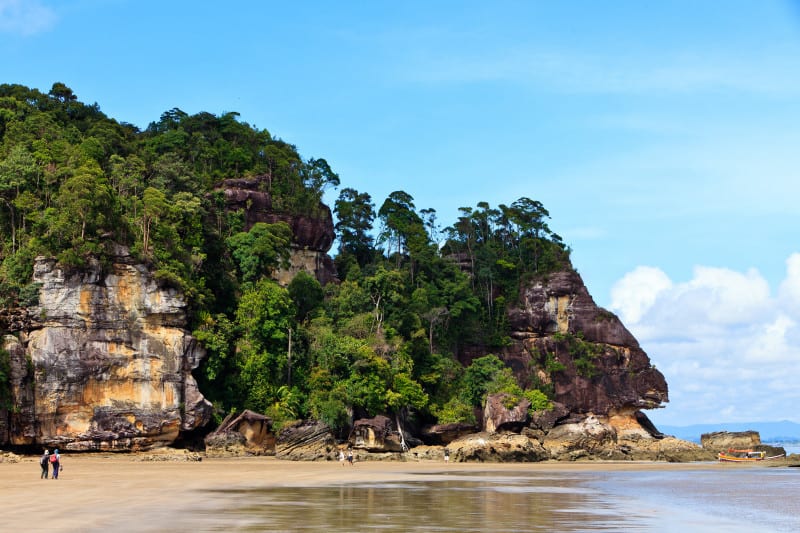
(111, 361)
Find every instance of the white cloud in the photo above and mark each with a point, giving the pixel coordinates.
(637, 292)
(25, 17)
(789, 292)
(726, 346)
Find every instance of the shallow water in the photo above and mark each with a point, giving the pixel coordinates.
(704, 500)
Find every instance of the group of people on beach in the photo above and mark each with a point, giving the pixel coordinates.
(349, 456)
(50, 459)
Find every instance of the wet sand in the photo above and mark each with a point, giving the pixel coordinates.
(95, 493)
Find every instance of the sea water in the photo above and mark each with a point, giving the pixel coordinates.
(717, 499)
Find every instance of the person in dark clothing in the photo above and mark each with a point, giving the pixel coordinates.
(44, 462)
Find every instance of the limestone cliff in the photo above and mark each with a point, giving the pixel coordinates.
(111, 362)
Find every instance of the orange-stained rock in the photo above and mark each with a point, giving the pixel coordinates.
(111, 361)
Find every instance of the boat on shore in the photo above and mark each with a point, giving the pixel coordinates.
(746, 456)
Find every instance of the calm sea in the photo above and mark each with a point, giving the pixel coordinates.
(736, 499)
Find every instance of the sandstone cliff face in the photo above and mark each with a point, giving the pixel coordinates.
(613, 375)
(111, 359)
(312, 235)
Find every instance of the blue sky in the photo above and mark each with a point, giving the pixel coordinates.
(661, 136)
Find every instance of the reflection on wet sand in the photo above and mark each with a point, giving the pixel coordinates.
(464, 503)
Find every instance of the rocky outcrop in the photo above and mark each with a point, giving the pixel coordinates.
(546, 420)
(307, 440)
(496, 448)
(498, 416)
(563, 340)
(312, 233)
(376, 435)
(442, 434)
(720, 441)
(246, 433)
(111, 361)
(580, 439)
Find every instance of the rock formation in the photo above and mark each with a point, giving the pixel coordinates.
(497, 416)
(376, 435)
(446, 433)
(595, 368)
(720, 441)
(498, 447)
(557, 316)
(307, 440)
(313, 234)
(245, 433)
(110, 358)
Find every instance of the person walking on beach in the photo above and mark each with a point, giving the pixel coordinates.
(350, 456)
(341, 457)
(446, 455)
(55, 460)
(44, 462)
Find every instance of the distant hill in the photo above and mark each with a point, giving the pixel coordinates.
(783, 431)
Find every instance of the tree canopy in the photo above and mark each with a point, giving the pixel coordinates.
(75, 183)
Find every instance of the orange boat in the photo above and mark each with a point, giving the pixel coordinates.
(745, 456)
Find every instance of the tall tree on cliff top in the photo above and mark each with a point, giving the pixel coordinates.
(16, 170)
(355, 213)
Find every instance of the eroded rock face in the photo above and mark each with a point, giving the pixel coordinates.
(307, 440)
(498, 447)
(720, 441)
(313, 234)
(248, 433)
(587, 437)
(376, 435)
(112, 361)
(555, 319)
(440, 434)
(497, 416)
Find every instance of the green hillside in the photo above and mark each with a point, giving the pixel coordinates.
(75, 183)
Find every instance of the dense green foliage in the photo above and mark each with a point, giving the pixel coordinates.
(74, 183)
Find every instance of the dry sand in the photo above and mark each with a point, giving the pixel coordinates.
(93, 492)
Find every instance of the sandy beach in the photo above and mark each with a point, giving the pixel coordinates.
(118, 491)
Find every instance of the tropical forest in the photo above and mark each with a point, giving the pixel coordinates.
(387, 336)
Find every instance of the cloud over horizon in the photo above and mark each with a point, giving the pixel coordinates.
(725, 343)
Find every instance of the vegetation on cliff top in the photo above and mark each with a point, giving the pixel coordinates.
(74, 182)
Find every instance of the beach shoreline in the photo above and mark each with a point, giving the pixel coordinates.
(94, 491)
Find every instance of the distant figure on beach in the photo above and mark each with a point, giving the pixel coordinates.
(350, 456)
(341, 457)
(55, 460)
(44, 462)
(446, 455)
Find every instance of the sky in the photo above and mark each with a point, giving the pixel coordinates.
(662, 137)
